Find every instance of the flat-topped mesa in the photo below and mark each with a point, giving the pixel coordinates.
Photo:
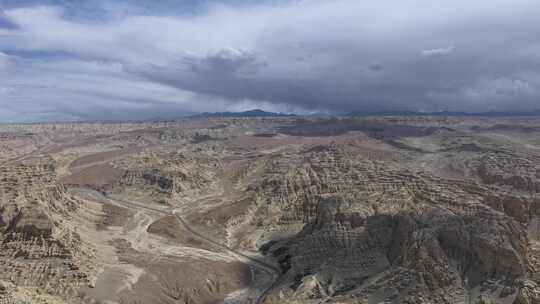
(171, 175)
(172, 183)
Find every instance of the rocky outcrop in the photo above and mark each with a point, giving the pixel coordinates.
(437, 252)
(36, 249)
(370, 210)
(178, 177)
(372, 230)
(512, 170)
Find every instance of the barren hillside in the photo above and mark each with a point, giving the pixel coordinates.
(272, 210)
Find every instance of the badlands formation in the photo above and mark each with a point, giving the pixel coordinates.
(272, 210)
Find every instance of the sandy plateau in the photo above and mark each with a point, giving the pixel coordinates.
(271, 210)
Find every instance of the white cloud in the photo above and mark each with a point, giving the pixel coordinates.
(438, 52)
(76, 89)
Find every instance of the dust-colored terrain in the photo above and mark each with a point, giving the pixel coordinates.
(272, 210)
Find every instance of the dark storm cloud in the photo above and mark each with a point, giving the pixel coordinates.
(231, 73)
(431, 59)
(333, 56)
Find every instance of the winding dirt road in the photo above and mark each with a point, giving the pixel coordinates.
(254, 262)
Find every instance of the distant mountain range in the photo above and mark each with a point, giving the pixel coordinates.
(251, 113)
(260, 113)
(447, 113)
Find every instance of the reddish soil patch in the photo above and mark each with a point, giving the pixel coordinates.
(333, 127)
(102, 156)
(213, 221)
(169, 227)
(97, 176)
(260, 143)
(114, 216)
(59, 147)
(221, 214)
(170, 280)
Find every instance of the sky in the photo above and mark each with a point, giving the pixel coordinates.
(140, 59)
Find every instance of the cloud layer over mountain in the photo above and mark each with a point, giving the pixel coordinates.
(104, 59)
